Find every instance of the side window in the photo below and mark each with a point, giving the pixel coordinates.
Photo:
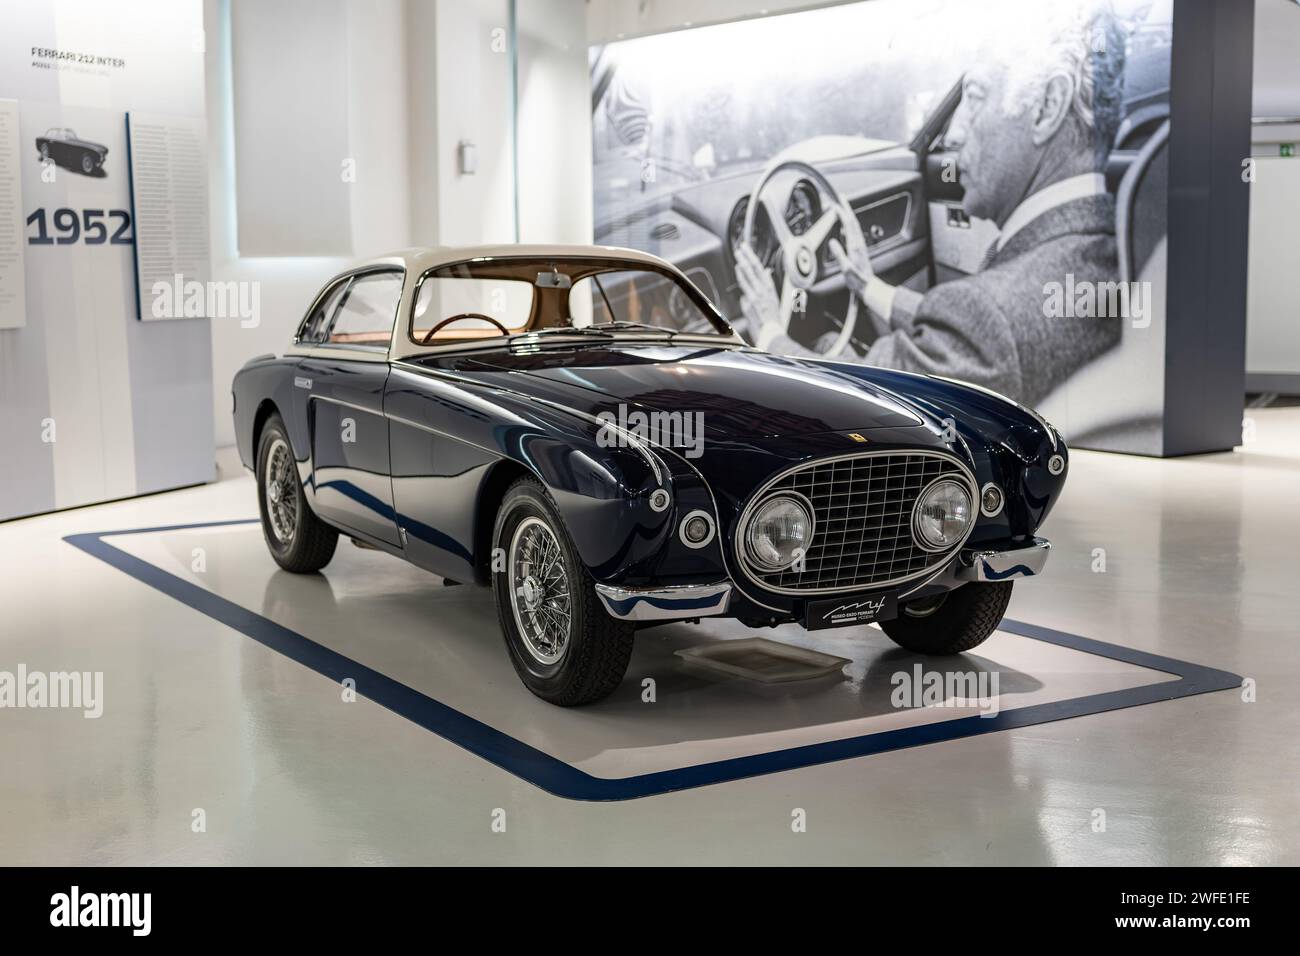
(367, 310)
(313, 329)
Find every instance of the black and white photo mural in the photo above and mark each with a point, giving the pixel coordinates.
(968, 189)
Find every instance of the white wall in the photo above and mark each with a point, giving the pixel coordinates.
(554, 122)
(473, 80)
(1272, 305)
(380, 200)
(423, 76)
(1277, 72)
(1272, 313)
(618, 19)
(289, 63)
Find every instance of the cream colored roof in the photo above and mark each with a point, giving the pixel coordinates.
(418, 260)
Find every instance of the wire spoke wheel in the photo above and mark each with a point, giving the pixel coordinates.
(280, 486)
(539, 590)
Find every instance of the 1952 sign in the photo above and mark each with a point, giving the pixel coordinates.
(94, 227)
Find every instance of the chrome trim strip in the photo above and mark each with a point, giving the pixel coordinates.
(420, 426)
(943, 557)
(673, 603)
(1005, 565)
(337, 401)
(338, 353)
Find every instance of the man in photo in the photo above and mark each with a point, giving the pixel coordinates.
(1038, 114)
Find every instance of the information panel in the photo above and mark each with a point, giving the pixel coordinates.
(13, 297)
(170, 199)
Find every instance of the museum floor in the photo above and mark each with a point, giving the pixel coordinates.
(214, 747)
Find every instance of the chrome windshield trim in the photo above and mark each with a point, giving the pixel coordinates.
(532, 339)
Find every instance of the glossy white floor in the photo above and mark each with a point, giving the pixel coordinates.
(1201, 562)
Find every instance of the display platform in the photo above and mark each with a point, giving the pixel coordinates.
(434, 655)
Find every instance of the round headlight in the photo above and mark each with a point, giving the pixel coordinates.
(942, 515)
(780, 531)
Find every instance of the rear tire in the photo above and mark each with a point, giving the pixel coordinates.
(298, 540)
(962, 619)
(563, 644)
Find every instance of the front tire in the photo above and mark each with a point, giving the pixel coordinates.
(954, 622)
(87, 163)
(298, 540)
(563, 644)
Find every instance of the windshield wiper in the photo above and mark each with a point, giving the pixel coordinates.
(605, 329)
(565, 330)
(623, 326)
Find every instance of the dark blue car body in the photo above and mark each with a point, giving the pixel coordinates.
(448, 433)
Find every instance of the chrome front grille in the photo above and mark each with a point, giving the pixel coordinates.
(862, 511)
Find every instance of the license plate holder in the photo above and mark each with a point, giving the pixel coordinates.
(850, 610)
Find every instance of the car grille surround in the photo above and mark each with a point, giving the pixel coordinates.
(862, 516)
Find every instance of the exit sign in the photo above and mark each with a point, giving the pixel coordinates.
(1286, 149)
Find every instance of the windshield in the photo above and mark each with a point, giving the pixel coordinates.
(507, 297)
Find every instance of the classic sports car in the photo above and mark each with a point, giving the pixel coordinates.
(580, 428)
(65, 149)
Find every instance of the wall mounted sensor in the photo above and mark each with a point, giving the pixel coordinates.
(466, 158)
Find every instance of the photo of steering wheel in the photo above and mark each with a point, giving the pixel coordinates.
(800, 252)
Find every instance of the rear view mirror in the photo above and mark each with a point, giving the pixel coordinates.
(553, 280)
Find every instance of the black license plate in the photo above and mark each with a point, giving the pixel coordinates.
(850, 610)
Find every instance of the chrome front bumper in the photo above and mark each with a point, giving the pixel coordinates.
(1004, 565)
(667, 603)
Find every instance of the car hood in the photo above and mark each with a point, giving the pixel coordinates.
(740, 393)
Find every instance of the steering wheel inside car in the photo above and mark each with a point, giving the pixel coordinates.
(801, 254)
(456, 318)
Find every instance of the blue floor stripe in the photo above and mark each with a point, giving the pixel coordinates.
(557, 777)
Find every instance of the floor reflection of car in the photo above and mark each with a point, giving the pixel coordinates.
(63, 147)
(906, 197)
